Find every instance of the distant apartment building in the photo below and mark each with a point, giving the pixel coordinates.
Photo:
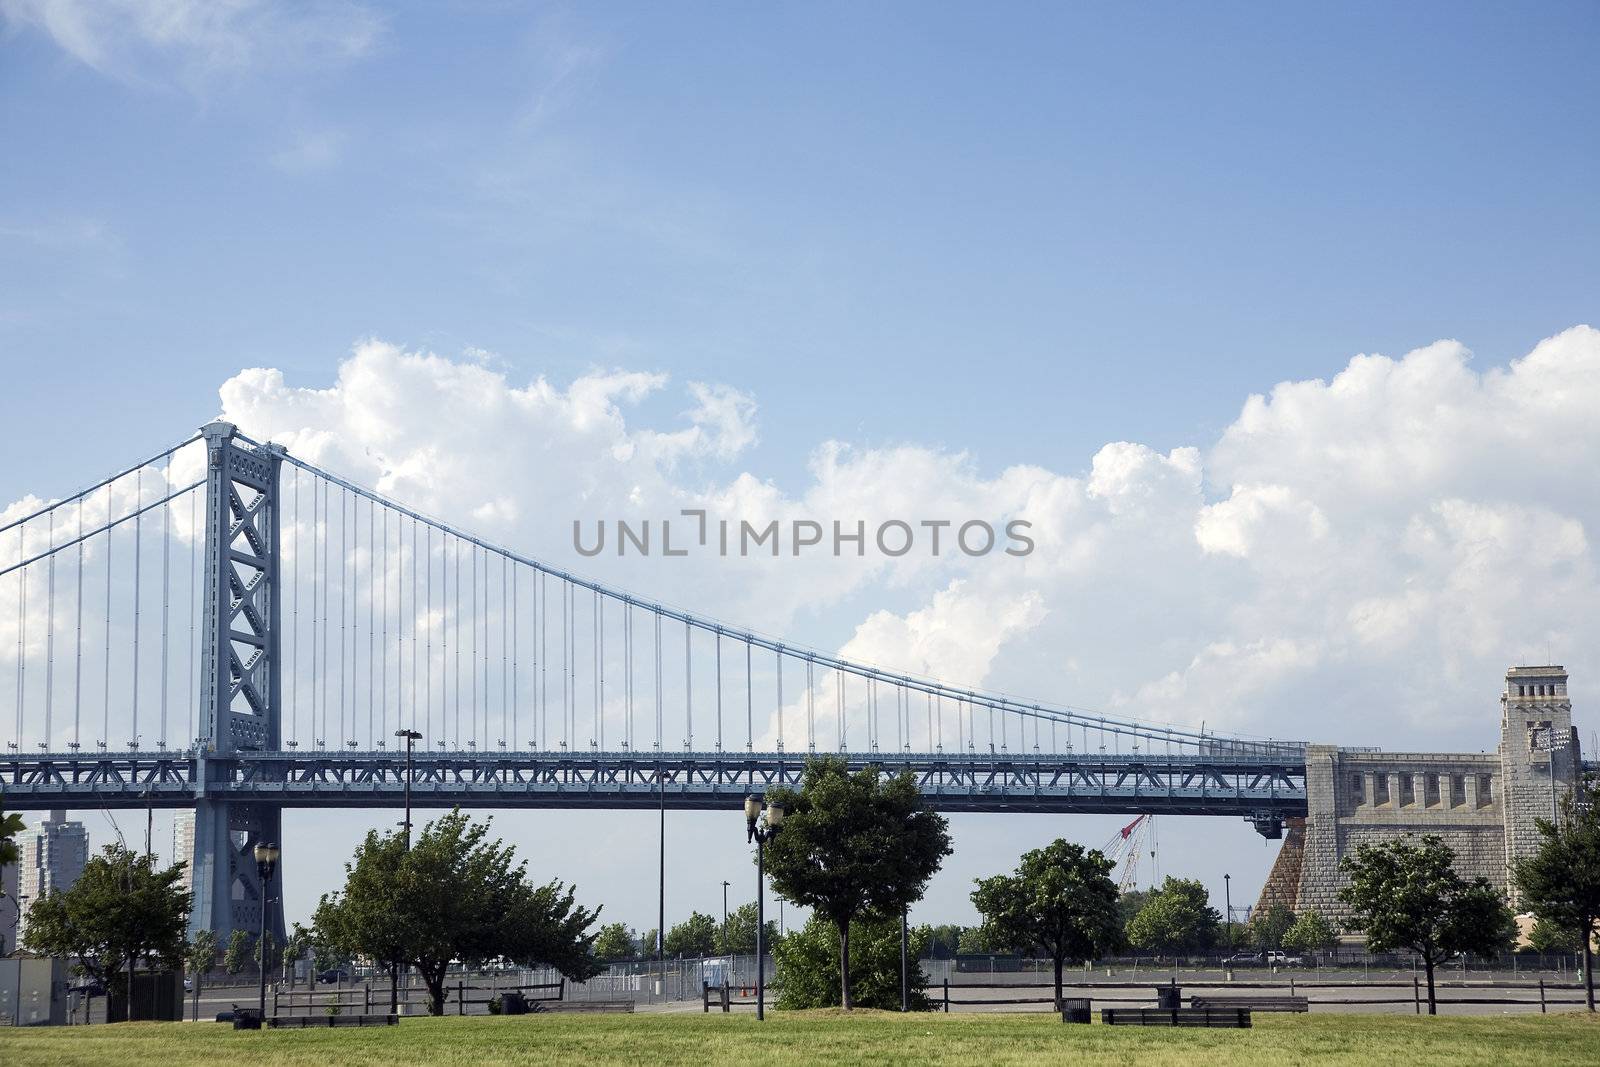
(53, 856)
(183, 845)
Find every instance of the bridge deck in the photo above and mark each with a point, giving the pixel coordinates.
(1180, 785)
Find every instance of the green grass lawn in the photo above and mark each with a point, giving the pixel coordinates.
(646, 1040)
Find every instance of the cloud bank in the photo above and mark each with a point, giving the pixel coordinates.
(1356, 559)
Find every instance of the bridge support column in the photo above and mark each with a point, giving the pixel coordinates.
(241, 702)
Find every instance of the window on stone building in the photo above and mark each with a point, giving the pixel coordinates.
(1458, 789)
(1431, 791)
(1358, 794)
(1407, 790)
(1380, 789)
(1485, 790)
(1522, 690)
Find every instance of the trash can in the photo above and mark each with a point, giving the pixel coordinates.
(1169, 997)
(513, 1004)
(246, 1019)
(1075, 1009)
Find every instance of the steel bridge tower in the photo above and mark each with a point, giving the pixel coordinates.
(241, 702)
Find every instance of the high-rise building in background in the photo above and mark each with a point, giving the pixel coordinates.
(53, 856)
(183, 845)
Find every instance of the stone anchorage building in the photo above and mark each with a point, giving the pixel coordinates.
(1483, 805)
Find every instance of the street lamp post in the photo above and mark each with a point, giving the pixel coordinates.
(725, 885)
(1227, 897)
(411, 737)
(266, 863)
(905, 972)
(761, 834)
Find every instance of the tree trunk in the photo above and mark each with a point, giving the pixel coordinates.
(1427, 963)
(197, 996)
(844, 964)
(436, 993)
(394, 989)
(1058, 983)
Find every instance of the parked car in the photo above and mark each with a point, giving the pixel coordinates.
(1283, 959)
(333, 975)
(1244, 959)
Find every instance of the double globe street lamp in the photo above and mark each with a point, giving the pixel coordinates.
(761, 828)
(266, 862)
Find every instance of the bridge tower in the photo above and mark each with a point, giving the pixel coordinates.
(240, 697)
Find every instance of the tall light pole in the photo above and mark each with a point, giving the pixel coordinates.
(905, 972)
(725, 885)
(411, 737)
(1227, 897)
(761, 834)
(266, 863)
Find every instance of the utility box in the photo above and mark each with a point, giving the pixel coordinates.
(33, 992)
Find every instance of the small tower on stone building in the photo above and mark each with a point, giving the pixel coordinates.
(1540, 762)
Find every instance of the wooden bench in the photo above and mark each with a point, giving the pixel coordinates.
(1229, 1018)
(581, 1006)
(1261, 1002)
(308, 1022)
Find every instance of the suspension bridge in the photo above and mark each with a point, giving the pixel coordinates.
(228, 628)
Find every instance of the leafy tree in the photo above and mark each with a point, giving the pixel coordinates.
(459, 897)
(294, 950)
(649, 943)
(854, 846)
(200, 957)
(944, 941)
(614, 942)
(1547, 937)
(10, 827)
(740, 937)
(1310, 932)
(122, 908)
(1176, 919)
(366, 917)
(1268, 925)
(1408, 896)
(1060, 900)
(237, 954)
(974, 941)
(695, 936)
(1132, 903)
(808, 966)
(1561, 882)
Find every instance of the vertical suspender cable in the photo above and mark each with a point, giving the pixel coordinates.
(657, 615)
(473, 665)
(22, 629)
(566, 702)
(427, 615)
(749, 702)
(839, 706)
(50, 636)
(516, 645)
(344, 589)
(688, 692)
(600, 664)
(138, 559)
(627, 668)
(77, 648)
(455, 612)
(415, 621)
(811, 704)
(294, 622)
(779, 656)
(372, 629)
(542, 711)
(166, 596)
(383, 640)
(105, 702)
(719, 689)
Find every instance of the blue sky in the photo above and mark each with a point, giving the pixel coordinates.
(1018, 234)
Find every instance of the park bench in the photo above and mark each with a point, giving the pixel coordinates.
(585, 1006)
(1255, 1002)
(1230, 1018)
(308, 1022)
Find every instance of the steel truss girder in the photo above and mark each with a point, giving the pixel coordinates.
(1101, 784)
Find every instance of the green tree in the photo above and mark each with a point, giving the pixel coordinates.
(366, 917)
(853, 846)
(944, 941)
(462, 897)
(740, 937)
(974, 941)
(1178, 918)
(121, 909)
(199, 958)
(294, 950)
(1268, 925)
(1546, 937)
(237, 954)
(10, 827)
(1310, 932)
(1561, 882)
(695, 936)
(1060, 900)
(808, 967)
(614, 942)
(1132, 903)
(649, 943)
(1408, 896)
